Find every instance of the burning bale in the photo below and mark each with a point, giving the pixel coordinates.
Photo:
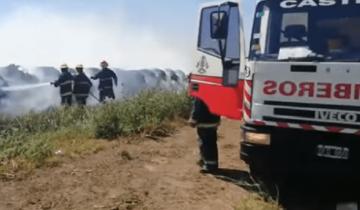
(23, 90)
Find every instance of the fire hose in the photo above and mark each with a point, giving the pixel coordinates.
(92, 95)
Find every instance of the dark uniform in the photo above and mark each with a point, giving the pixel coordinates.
(65, 82)
(106, 77)
(206, 124)
(82, 85)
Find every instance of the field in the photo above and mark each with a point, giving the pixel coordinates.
(136, 154)
(30, 141)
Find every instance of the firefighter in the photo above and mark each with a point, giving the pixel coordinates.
(65, 82)
(107, 77)
(206, 124)
(82, 85)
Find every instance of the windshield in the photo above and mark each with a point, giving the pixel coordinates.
(286, 30)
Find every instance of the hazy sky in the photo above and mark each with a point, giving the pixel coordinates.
(127, 33)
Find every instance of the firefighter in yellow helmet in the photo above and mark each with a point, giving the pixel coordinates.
(82, 86)
(65, 82)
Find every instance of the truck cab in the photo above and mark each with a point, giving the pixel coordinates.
(296, 91)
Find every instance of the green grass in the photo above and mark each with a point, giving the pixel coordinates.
(32, 140)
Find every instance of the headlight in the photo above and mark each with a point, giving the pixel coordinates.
(257, 138)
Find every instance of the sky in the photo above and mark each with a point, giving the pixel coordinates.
(129, 34)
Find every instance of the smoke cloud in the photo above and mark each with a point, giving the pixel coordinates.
(34, 36)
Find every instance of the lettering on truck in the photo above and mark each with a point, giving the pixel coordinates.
(312, 90)
(316, 90)
(289, 4)
(336, 116)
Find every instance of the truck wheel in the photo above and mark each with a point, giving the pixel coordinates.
(256, 156)
(259, 161)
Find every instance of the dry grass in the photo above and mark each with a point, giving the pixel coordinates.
(39, 139)
(256, 202)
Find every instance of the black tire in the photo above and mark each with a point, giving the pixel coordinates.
(256, 156)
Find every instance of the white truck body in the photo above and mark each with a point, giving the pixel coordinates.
(320, 94)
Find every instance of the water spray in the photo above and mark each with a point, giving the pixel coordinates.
(23, 87)
(96, 98)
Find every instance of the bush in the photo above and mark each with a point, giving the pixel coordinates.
(34, 137)
(107, 122)
(143, 113)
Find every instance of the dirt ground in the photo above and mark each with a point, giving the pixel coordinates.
(144, 174)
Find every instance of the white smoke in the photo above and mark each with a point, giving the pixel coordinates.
(37, 36)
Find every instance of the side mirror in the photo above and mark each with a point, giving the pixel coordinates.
(219, 25)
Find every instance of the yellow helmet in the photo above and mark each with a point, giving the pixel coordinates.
(80, 66)
(64, 66)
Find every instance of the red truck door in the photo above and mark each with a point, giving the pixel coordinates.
(217, 76)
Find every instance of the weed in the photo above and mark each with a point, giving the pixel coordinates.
(255, 202)
(33, 139)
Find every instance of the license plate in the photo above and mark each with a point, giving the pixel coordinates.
(347, 206)
(333, 152)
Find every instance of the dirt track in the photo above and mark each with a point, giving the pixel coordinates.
(144, 175)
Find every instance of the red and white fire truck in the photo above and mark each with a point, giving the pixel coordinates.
(297, 88)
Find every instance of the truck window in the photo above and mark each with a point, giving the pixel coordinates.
(290, 20)
(342, 35)
(205, 42)
(327, 32)
(231, 45)
(260, 32)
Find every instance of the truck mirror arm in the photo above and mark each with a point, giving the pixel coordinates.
(222, 52)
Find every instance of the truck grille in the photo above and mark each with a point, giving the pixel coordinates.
(314, 114)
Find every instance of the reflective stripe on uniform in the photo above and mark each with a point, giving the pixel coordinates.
(107, 87)
(208, 125)
(66, 83)
(82, 83)
(210, 162)
(66, 94)
(81, 95)
(106, 79)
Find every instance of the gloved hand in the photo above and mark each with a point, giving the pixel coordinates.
(52, 83)
(93, 78)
